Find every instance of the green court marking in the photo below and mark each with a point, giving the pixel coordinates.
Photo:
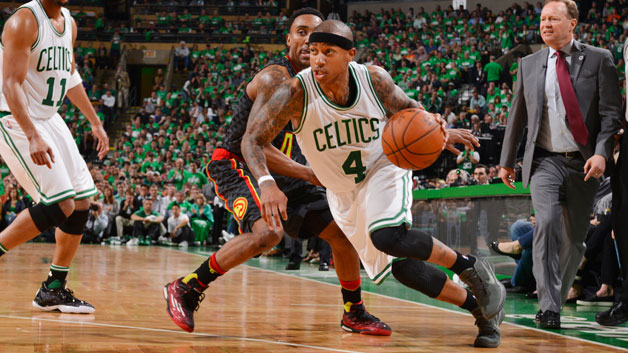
(577, 322)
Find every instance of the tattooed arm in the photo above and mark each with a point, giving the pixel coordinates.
(392, 97)
(285, 105)
(395, 99)
(260, 89)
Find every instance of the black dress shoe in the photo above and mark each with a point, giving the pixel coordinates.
(550, 320)
(293, 266)
(616, 315)
(507, 282)
(323, 267)
(532, 295)
(495, 246)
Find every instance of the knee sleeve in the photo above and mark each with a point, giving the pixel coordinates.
(419, 276)
(401, 242)
(75, 224)
(45, 217)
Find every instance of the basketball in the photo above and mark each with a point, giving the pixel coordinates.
(412, 139)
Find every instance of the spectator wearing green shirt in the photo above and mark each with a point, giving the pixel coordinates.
(493, 71)
(179, 198)
(177, 174)
(194, 177)
(146, 224)
(202, 218)
(467, 160)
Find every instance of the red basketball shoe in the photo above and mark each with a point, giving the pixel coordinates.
(182, 301)
(359, 320)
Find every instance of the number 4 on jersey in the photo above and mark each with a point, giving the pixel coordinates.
(353, 165)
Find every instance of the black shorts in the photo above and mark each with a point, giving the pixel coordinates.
(308, 211)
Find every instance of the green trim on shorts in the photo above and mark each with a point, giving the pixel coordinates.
(17, 153)
(56, 197)
(85, 194)
(397, 219)
(3, 249)
(383, 274)
(57, 201)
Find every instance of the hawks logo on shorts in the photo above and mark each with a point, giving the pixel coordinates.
(239, 207)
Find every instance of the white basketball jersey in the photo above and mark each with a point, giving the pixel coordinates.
(341, 144)
(50, 65)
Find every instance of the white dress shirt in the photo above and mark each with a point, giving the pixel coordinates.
(554, 134)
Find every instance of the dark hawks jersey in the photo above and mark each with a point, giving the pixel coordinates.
(285, 141)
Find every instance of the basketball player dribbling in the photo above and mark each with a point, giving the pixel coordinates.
(338, 109)
(308, 209)
(38, 72)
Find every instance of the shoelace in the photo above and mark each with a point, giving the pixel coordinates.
(67, 293)
(193, 299)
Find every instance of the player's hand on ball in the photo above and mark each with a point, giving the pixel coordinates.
(103, 140)
(274, 204)
(462, 136)
(40, 150)
(443, 128)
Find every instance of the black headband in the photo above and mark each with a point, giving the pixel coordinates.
(324, 37)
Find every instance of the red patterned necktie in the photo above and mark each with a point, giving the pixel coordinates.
(568, 94)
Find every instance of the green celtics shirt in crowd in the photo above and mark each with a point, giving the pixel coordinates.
(177, 177)
(185, 206)
(198, 179)
(493, 71)
(142, 213)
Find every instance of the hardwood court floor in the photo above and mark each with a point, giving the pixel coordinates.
(249, 310)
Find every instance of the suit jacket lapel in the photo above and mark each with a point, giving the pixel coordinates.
(577, 58)
(540, 81)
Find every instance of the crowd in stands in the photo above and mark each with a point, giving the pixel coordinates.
(153, 187)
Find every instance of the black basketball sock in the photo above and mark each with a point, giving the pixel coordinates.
(351, 293)
(470, 303)
(462, 263)
(206, 273)
(57, 276)
(3, 250)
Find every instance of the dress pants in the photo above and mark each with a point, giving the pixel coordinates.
(563, 202)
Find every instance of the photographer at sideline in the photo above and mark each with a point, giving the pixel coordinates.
(96, 223)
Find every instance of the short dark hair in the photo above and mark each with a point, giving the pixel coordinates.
(175, 204)
(304, 11)
(481, 166)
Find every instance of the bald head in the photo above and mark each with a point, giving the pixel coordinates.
(335, 27)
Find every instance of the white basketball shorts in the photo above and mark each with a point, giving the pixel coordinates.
(68, 177)
(383, 199)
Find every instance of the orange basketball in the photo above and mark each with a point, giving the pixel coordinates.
(412, 139)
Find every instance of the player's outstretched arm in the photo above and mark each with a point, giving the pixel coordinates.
(263, 86)
(78, 97)
(285, 105)
(19, 34)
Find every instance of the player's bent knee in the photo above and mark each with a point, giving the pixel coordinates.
(46, 216)
(420, 276)
(67, 206)
(75, 224)
(400, 242)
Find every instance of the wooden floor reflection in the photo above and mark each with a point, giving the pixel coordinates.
(249, 310)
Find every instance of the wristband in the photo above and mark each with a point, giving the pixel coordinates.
(75, 80)
(264, 178)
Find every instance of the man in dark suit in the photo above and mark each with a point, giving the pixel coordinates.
(568, 96)
(618, 314)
